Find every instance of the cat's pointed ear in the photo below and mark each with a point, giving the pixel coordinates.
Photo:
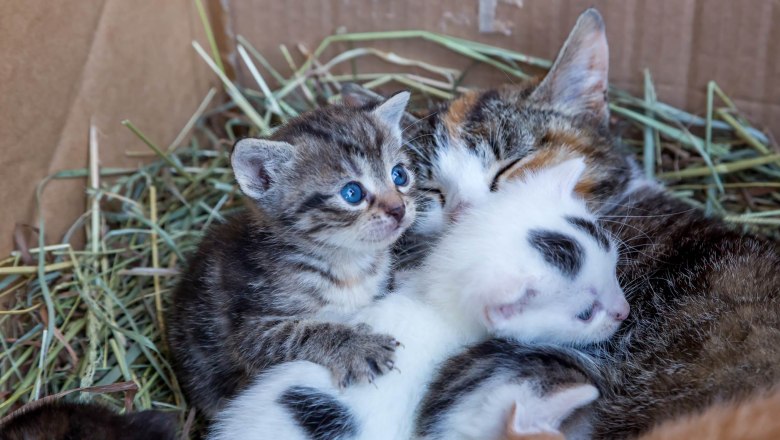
(567, 174)
(392, 111)
(564, 176)
(355, 95)
(560, 404)
(505, 300)
(577, 82)
(258, 163)
(542, 416)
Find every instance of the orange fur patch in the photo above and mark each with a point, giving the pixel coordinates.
(458, 110)
(558, 147)
(755, 419)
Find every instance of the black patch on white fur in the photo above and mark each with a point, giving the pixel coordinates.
(560, 250)
(321, 415)
(591, 229)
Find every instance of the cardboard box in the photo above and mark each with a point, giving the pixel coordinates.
(66, 63)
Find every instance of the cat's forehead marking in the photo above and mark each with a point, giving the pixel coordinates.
(344, 131)
(558, 249)
(457, 112)
(591, 228)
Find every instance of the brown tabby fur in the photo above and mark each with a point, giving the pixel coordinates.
(705, 299)
(754, 419)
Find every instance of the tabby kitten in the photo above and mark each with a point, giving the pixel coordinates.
(705, 299)
(327, 196)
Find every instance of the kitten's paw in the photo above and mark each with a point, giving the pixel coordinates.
(363, 357)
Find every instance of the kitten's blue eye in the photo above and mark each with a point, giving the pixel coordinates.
(400, 177)
(352, 193)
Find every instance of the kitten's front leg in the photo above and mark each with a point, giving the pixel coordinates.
(354, 354)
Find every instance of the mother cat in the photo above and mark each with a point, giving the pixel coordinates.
(705, 321)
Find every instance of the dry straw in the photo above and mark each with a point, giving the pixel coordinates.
(93, 317)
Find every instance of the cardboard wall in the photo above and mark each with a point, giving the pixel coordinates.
(66, 62)
(684, 43)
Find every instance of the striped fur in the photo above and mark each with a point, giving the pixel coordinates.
(266, 286)
(474, 392)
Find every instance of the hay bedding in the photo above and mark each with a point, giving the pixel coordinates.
(93, 319)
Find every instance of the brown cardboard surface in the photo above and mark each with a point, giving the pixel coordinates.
(684, 43)
(64, 63)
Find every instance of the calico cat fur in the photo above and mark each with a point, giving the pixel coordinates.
(705, 299)
(755, 418)
(268, 285)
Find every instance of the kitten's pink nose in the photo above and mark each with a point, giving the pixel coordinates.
(621, 310)
(395, 209)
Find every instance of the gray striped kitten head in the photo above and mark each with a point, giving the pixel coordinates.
(335, 176)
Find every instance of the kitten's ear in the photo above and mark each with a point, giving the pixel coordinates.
(258, 163)
(577, 81)
(502, 306)
(392, 111)
(355, 95)
(541, 417)
(564, 176)
(561, 404)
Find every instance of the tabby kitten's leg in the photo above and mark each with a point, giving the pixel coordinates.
(353, 353)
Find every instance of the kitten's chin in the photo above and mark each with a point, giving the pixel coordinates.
(382, 239)
(384, 236)
(603, 333)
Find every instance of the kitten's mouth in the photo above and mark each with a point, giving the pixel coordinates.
(387, 234)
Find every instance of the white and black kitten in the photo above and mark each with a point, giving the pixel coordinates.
(327, 197)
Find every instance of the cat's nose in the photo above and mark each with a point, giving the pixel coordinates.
(621, 310)
(396, 210)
